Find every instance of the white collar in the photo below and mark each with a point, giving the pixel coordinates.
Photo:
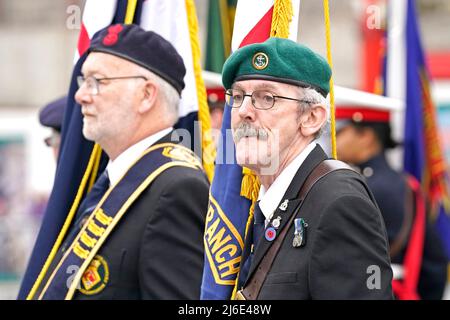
(118, 167)
(270, 198)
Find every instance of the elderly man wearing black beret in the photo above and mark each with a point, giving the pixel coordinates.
(138, 233)
(317, 231)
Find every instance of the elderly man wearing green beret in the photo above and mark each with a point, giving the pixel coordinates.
(317, 232)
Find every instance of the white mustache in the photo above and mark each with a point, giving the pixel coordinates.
(246, 130)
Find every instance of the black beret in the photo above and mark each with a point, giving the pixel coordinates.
(145, 48)
(51, 115)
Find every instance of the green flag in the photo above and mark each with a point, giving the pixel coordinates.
(220, 27)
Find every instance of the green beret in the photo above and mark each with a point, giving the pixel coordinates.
(280, 60)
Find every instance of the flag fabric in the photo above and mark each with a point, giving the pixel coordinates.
(423, 156)
(79, 160)
(220, 28)
(234, 189)
(176, 21)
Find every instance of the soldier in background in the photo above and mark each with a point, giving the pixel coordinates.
(363, 136)
(51, 115)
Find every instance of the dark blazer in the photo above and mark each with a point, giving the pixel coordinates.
(346, 251)
(156, 250)
(389, 188)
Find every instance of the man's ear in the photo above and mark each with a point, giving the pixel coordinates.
(312, 120)
(151, 90)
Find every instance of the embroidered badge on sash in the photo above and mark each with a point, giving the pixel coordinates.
(95, 277)
(181, 154)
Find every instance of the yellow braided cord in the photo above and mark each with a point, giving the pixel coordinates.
(68, 221)
(94, 173)
(281, 17)
(249, 189)
(208, 148)
(131, 8)
(247, 226)
(326, 12)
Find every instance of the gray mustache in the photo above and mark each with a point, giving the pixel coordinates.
(246, 130)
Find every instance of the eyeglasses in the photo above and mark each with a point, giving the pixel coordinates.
(92, 83)
(261, 99)
(53, 140)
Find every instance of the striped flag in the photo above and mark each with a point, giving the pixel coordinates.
(176, 21)
(234, 189)
(96, 15)
(407, 78)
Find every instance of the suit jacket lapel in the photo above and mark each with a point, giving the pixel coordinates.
(314, 158)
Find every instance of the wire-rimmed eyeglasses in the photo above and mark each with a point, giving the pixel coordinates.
(261, 99)
(92, 82)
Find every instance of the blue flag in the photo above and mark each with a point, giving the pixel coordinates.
(225, 222)
(423, 156)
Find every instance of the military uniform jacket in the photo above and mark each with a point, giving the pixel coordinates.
(156, 250)
(345, 255)
(389, 188)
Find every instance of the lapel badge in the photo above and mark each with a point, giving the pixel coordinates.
(270, 234)
(299, 233)
(284, 205)
(276, 222)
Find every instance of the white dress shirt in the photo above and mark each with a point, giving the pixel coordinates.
(270, 198)
(117, 168)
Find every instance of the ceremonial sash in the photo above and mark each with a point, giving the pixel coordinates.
(111, 208)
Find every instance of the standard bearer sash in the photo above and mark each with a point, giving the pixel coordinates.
(111, 208)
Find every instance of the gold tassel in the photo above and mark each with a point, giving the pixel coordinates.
(281, 18)
(250, 184)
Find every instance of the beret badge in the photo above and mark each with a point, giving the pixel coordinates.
(260, 61)
(113, 35)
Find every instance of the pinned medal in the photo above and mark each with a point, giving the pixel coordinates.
(270, 234)
(299, 233)
(284, 205)
(276, 222)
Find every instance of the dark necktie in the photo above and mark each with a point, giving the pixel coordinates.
(94, 196)
(87, 206)
(258, 229)
(258, 225)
